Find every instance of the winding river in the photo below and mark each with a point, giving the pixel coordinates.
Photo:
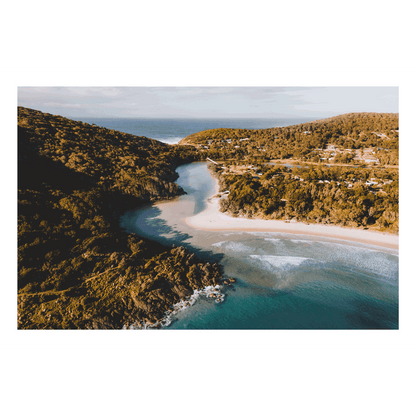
(284, 281)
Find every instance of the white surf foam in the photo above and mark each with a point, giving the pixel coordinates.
(273, 240)
(213, 292)
(282, 262)
(219, 244)
(170, 140)
(303, 241)
(233, 246)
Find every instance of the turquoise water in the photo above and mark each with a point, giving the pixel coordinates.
(284, 281)
(173, 130)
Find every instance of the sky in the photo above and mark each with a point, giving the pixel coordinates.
(208, 102)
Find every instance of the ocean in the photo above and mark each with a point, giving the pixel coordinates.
(284, 281)
(171, 131)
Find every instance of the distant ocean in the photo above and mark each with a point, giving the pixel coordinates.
(172, 130)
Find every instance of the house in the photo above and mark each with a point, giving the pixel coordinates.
(371, 159)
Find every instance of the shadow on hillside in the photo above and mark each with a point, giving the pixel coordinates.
(39, 172)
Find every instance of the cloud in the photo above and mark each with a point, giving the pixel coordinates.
(63, 105)
(207, 101)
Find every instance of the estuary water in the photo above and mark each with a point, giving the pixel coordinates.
(284, 281)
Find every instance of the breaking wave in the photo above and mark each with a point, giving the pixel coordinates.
(273, 240)
(169, 140)
(213, 292)
(233, 246)
(283, 262)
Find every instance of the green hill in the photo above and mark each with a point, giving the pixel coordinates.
(202, 137)
(307, 141)
(76, 268)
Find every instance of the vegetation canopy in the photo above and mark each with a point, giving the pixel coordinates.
(76, 269)
(355, 197)
(341, 170)
(355, 138)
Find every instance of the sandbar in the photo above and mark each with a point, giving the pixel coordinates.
(211, 219)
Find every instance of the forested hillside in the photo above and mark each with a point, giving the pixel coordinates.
(349, 138)
(346, 196)
(76, 268)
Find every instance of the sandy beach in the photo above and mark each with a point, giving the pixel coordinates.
(212, 219)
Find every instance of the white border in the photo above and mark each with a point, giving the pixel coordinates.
(402, 338)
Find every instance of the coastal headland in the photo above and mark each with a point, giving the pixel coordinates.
(213, 220)
(341, 171)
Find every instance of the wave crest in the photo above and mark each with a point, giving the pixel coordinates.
(283, 262)
(208, 291)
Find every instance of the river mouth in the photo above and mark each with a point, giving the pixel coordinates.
(284, 281)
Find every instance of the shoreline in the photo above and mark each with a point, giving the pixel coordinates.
(211, 219)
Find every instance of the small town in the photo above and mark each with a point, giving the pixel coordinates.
(331, 154)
